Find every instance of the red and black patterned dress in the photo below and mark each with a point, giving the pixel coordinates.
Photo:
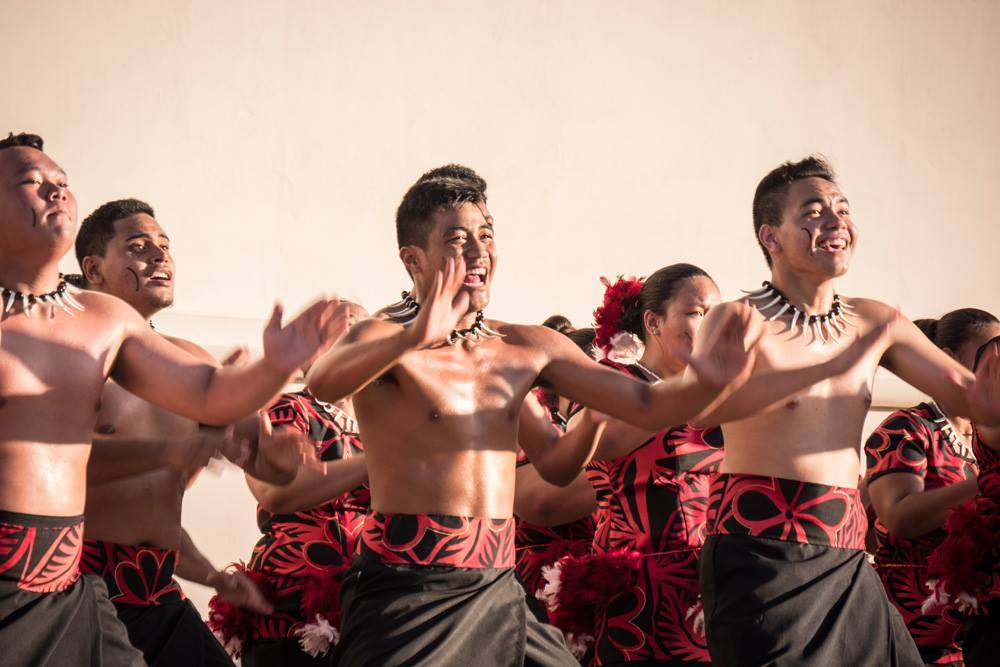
(301, 556)
(539, 546)
(918, 441)
(654, 501)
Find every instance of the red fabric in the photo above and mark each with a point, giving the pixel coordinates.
(434, 539)
(41, 556)
(588, 583)
(135, 575)
(654, 501)
(913, 441)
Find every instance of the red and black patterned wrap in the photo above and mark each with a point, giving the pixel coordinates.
(438, 540)
(302, 551)
(40, 554)
(788, 510)
(135, 575)
(915, 441)
(654, 501)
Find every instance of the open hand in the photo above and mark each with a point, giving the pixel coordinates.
(238, 589)
(289, 347)
(727, 357)
(284, 451)
(443, 306)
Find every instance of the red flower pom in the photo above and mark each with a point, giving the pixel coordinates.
(588, 583)
(321, 595)
(229, 621)
(619, 298)
(963, 563)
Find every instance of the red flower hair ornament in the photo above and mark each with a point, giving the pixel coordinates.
(611, 339)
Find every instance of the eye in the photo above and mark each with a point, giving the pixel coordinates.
(137, 247)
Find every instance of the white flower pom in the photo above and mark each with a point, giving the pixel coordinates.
(316, 638)
(697, 610)
(578, 645)
(938, 598)
(553, 582)
(626, 348)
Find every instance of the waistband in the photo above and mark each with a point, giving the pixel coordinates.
(135, 575)
(789, 510)
(438, 539)
(40, 554)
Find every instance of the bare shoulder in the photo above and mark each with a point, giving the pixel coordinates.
(109, 313)
(374, 327)
(869, 308)
(527, 334)
(195, 350)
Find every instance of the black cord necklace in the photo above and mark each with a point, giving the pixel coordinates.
(826, 328)
(61, 297)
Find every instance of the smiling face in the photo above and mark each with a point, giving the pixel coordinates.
(467, 231)
(136, 266)
(37, 208)
(816, 235)
(676, 327)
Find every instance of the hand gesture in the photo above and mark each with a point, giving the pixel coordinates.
(238, 356)
(291, 346)
(443, 306)
(284, 451)
(983, 394)
(728, 355)
(238, 589)
(860, 347)
(197, 450)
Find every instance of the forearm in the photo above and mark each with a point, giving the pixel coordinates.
(311, 487)
(544, 504)
(920, 513)
(349, 367)
(236, 391)
(192, 564)
(761, 392)
(113, 458)
(565, 459)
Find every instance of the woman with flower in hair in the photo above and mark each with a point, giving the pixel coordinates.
(640, 588)
(920, 466)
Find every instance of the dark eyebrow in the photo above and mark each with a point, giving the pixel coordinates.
(144, 235)
(822, 201)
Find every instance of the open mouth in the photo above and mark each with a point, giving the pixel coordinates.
(475, 278)
(160, 278)
(833, 245)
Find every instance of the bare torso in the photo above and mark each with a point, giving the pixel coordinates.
(52, 372)
(814, 436)
(440, 428)
(146, 508)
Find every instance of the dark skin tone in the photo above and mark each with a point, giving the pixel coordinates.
(53, 367)
(441, 423)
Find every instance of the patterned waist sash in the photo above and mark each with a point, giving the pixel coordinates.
(438, 539)
(788, 510)
(40, 554)
(135, 575)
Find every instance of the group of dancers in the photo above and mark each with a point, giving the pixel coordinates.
(679, 485)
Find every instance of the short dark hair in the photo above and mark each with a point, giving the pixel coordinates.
(558, 323)
(98, 228)
(22, 139)
(457, 171)
(769, 198)
(584, 339)
(953, 329)
(426, 197)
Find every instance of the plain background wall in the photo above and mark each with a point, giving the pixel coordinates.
(276, 139)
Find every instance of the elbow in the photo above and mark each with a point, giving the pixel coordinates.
(900, 527)
(276, 503)
(556, 475)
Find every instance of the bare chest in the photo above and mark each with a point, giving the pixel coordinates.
(125, 414)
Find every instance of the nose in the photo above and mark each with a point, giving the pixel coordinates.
(55, 193)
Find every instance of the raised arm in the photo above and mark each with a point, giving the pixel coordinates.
(722, 365)
(158, 371)
(765, 389)
(373, 347)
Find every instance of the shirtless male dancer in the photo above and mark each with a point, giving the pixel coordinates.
(54, 360)
(433, 582)
(784, 576)
(133, 538)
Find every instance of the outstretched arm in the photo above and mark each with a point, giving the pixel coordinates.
(545, 504)
(767, 388)
(373, 347)
(113, 458)
(722, 365)
(156, 370)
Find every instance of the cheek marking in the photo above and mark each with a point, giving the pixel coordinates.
(34, 218)
(812, 241)
(134, 275)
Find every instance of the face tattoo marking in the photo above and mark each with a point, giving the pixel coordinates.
(134, 275)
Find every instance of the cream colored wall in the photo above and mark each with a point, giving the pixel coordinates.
(275, 140)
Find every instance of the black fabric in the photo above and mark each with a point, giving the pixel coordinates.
(77, 626)
(273, 652)
(981, 645)
(769, 602)
(441, 616)
(172, 634)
